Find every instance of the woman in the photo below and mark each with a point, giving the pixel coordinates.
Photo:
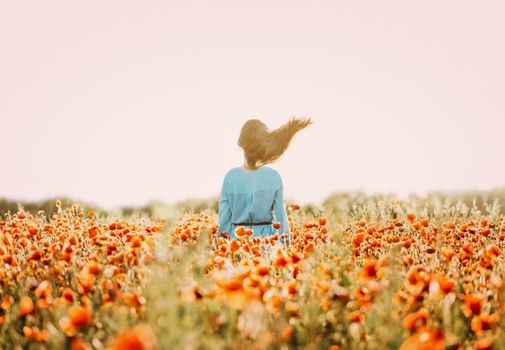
(252, 194)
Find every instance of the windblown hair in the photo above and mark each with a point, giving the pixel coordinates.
(262, 146)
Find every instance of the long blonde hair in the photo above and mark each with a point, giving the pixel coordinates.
(262, 146)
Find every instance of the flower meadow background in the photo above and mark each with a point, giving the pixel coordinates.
(360, 272)
(123, 102)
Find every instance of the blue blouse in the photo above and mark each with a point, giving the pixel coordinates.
(251, 197)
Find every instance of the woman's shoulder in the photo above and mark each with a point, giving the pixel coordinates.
(273, 173)
(230, 172)
(271, 170)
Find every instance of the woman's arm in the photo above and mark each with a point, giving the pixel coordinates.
(224, 222)
(280, 210)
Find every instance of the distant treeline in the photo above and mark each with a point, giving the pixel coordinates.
(47, 205)
(339, 202)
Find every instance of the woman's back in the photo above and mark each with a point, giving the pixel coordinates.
(256, 196)
(252, 197)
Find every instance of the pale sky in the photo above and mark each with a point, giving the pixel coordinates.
(123, 102)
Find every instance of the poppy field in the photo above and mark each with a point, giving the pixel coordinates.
(387, 274)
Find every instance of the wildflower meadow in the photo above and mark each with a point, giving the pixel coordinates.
(382, 274)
